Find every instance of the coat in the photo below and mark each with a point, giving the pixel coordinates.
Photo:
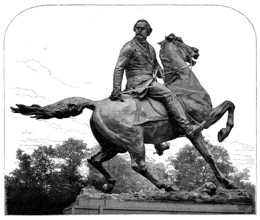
(139, 65)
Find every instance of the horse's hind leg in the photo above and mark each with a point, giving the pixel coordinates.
(200, 145)
(139, 165)
(217, 113)
(108, 151)
(97, 160)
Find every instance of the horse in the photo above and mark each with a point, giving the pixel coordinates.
(113, 122)
(179, 78)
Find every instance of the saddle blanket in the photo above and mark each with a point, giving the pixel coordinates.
(149, 110)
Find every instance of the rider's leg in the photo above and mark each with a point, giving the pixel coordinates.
(173, 107)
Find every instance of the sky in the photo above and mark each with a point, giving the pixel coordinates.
(56, 52)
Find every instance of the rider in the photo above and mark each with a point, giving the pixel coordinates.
(138, 59)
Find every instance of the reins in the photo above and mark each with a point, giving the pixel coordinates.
(180, 69)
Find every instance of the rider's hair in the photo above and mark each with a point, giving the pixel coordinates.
(149, 29)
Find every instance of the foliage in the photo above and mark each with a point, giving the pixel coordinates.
(241, 179)
(50, 178)
(46, 181)
(192, 170)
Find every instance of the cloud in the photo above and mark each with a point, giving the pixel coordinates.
(39, 68)
(79, 122)
(241, 155)
(36, 81)
(27, 93)
(70, 126)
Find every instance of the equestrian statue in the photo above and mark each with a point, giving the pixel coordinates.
(147, 111)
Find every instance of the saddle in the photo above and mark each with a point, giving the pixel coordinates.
(149, 110)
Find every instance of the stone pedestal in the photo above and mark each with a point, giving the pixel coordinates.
(92, 207)
(223, 201)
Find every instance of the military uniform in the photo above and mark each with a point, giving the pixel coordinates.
(138, 63)
(138, 60)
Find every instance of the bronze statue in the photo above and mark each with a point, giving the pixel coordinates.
(138, 59)
(126, 125)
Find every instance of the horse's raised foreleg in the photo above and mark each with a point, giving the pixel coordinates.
(200, 145)
(217, 113)
(139, 165)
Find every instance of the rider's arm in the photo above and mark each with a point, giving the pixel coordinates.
(122, 62)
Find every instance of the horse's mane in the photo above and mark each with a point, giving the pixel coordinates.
(188, 53)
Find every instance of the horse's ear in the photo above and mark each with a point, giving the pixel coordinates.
(170, 37)
(161, 43)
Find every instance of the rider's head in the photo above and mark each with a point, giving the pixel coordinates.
(143, 24)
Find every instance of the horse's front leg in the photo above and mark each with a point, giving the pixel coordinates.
(199, 143)
(217, 113)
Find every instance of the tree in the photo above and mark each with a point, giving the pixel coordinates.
(48, 180)
(193, 170)
(241, 179)
(73, 154)
(24, 194)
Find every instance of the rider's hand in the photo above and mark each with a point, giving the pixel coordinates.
(116, 95)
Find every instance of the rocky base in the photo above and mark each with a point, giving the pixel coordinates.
(207, 199)
(208, 193)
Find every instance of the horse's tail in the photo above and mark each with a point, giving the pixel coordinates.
(62, 109)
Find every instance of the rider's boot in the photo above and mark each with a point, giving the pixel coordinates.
(176, 111)
(161, 147)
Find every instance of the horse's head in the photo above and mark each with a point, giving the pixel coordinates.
(175, 55)
(173, 48)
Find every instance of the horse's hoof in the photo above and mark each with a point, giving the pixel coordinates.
(171, 188)
(231, 185)
(107, 188)
(222, 134)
